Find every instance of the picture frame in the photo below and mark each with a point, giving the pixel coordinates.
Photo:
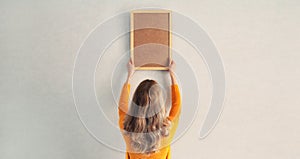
(150, 39)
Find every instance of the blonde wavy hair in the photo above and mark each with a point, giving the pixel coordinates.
(146, 122)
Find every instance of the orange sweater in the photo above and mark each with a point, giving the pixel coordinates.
(164, 152)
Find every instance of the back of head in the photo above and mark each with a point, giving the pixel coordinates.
(145, 122)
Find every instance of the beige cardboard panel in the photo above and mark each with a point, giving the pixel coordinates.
(151, 20)
(144, 36)
(151, 55)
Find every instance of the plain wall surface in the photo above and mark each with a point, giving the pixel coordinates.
(257, 40)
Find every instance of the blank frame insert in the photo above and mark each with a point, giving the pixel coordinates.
(150, 39)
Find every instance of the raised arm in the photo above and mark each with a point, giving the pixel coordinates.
(176, 98)
(124, 97)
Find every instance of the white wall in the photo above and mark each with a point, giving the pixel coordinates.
(258, 42)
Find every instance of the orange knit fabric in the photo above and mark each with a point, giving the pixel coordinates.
(164, 152)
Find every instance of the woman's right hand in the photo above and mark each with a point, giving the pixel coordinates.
(172, 66)
(171, 70)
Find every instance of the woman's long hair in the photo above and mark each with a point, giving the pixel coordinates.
(146, 122)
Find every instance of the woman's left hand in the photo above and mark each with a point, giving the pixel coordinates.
(131, 68)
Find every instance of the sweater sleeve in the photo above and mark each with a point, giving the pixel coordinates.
(176, 103)
(123, 104)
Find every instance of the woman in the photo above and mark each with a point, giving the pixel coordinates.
(145, 126)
